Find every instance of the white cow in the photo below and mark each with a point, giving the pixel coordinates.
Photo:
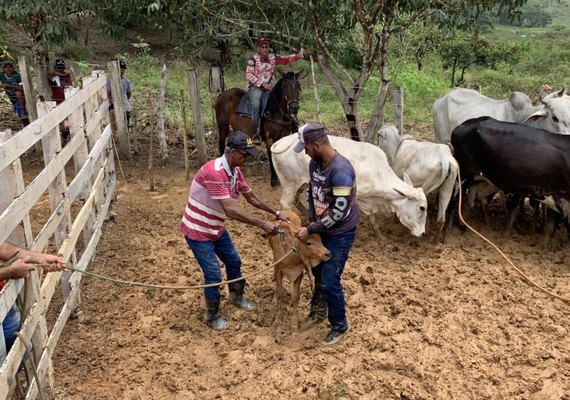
(429, 166)
(378, 187)
(458, 105)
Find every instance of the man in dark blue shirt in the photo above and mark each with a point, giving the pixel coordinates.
(334, 215)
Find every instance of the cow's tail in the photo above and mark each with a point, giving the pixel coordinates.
(450, 145)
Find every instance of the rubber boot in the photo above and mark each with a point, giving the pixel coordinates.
(318, 311)
(237, 298)
(212, 316)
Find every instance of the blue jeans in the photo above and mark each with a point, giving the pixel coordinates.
(255, 95)
(206, 252)
(328, 275)
(8, 329)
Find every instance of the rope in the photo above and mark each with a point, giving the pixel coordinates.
(173, 287)
(525, 277)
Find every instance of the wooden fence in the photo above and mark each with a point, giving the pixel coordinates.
(61, 209)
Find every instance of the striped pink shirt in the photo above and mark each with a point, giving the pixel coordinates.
(204, 216)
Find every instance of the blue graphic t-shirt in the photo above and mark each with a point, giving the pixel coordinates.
(332, 196)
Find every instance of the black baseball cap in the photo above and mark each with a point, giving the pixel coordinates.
(59, 62)
(122, 64)
(240, 141)
(7, 62)
(308, 133)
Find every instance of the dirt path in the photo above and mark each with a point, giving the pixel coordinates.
(427, 322)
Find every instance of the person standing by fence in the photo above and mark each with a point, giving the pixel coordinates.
(21, 264)
(59, 79)
(11, 82)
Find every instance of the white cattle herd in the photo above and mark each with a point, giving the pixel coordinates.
(395, 176)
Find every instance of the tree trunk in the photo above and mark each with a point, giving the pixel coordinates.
(377, 117)
(349, 103)
(160, 113)
(42, 66)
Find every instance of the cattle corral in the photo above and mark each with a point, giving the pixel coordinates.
(427, 321)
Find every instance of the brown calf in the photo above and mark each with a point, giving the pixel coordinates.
(298, 257)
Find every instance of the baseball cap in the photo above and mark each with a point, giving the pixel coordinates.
(308, 133)
(262, 40)
(122, 64)
(7, 62)
(59, 63)
(240, 141)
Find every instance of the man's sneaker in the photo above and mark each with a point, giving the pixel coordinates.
(313, 319)
(333, 337)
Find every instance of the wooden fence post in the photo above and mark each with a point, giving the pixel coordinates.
(28, 88)
(160, 117)
(185, 136)
(51, 146)
(398, 96)
(216, 89)
(12, 187)
(201, 147)
(150, 145)
(216, 83)
(119, 110)
(315, 90)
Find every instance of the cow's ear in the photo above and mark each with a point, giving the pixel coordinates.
(407, 179)
(382, 133)
(535, 116)
(399, 192)
(288, 228)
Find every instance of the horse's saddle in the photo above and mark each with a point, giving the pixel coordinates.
(244, 107)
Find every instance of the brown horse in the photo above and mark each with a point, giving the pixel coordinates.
(278, 119)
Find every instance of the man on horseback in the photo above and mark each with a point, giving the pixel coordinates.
(259, 74)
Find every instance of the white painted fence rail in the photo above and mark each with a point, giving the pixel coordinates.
(60, 208)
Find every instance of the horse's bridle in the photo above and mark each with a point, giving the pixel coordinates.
(291, 82)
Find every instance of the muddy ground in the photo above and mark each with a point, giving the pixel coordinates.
(449, 321)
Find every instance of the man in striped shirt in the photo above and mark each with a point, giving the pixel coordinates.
(214, 194)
